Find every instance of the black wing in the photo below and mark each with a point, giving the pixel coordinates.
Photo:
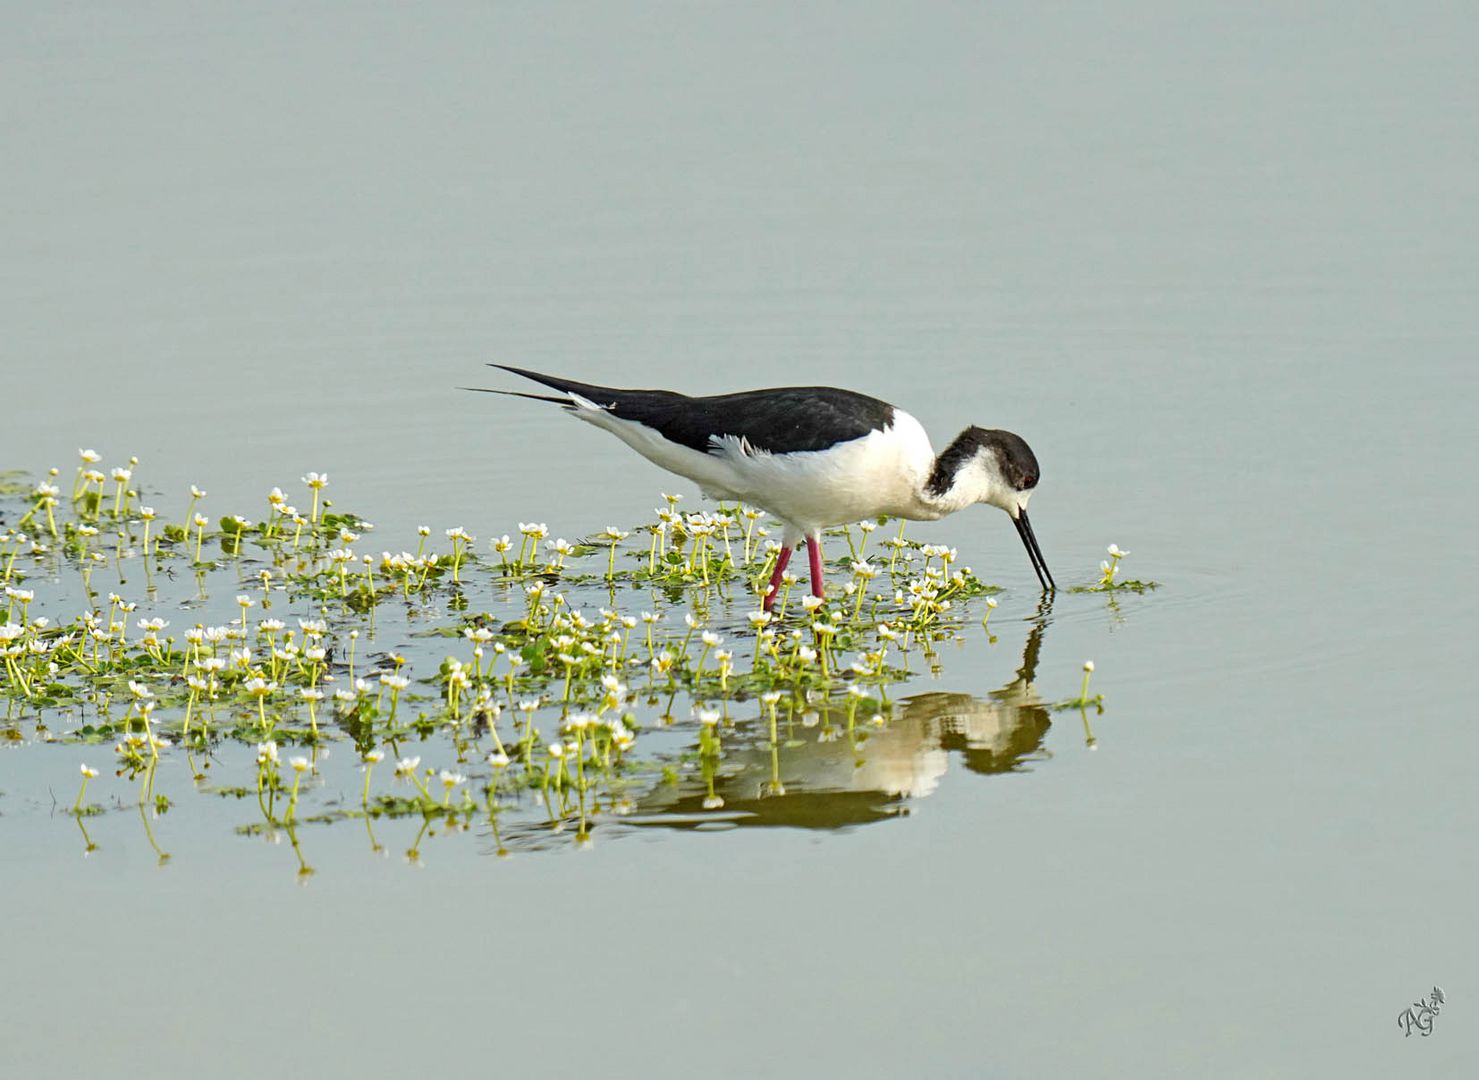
(784, 420)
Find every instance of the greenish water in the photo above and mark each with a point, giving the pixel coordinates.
(1215, 264)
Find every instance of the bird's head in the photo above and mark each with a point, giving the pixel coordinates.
(994, 467)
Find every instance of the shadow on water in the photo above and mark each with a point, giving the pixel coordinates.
(822, 770)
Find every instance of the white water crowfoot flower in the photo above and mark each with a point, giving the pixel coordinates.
(396, 683)
(259, 688)
(313, 696)
(462, 542)
(449, 781)
(299, 766)
(371, 759)
(1083, 695)
(532, 533)
(990, 607)
(502, 546)
(708, 732)
(613, 536)
(562, 549)
(88, 773)
(1109, 568)
(316, 483)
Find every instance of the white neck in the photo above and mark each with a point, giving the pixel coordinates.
(977, 480)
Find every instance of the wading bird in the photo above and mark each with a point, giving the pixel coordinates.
(812, 456)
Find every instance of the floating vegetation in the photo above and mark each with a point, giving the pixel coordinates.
(1110, 581)
(533, 688)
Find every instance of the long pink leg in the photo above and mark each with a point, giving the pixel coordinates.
(775, 578)
(814, 549)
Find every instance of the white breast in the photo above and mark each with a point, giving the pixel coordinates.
(881, 473)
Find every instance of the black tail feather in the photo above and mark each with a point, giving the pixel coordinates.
(565, 386)
(515, 393)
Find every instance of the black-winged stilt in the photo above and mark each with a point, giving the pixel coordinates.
(812, 456)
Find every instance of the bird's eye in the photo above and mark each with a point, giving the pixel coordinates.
(1028, 481)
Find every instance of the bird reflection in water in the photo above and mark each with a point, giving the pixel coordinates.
(823, 773)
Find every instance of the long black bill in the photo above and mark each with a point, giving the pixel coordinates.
(1029, 541)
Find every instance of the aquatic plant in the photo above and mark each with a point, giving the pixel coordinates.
(546, 681)
(1109, 581)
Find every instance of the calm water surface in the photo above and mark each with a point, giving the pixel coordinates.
(1217, 265)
